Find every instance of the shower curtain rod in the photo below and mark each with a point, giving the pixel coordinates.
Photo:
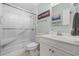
(18, 8)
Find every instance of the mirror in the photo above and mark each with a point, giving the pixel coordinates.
(62, 17)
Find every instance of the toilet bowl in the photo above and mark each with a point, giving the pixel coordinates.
(31, 48)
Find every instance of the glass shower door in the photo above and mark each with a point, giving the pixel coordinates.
(16, 29)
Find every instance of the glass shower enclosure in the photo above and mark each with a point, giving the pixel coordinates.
(17, 27)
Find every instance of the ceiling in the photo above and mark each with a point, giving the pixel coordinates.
(32, 7)
(28, 6)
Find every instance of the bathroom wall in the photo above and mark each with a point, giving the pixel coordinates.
(59, 8)
(43, 25)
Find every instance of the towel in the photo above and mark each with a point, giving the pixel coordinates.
(75, 29)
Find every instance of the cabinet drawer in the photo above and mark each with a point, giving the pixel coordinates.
(57, 52)
(47, 50)
(69, 48)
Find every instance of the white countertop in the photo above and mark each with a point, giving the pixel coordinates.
(67, 39)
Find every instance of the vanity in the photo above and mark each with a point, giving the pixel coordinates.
(53, 45)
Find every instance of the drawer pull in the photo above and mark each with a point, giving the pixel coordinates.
(53, 51)
(49, 49)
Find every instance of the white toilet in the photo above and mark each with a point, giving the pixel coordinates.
(31, 48)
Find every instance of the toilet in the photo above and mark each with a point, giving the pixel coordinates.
(31, 48)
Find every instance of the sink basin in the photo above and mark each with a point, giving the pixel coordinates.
(76, 42)
(59, 34)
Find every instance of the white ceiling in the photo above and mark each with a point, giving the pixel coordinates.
(32, 7)
(28, 6)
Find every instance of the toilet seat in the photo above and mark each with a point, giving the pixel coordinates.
(32, 45)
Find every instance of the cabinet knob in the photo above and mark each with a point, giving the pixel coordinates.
(49, 49)
(53, 51)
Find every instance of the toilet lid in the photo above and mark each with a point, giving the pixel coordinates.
(33, 44)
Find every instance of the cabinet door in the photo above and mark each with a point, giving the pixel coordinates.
(58, 52)
(44, 50)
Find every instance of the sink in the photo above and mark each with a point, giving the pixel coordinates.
(59, 33)
(76, 42)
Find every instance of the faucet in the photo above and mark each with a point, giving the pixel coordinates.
(59, 33)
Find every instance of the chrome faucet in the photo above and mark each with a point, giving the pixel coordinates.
(59, 33)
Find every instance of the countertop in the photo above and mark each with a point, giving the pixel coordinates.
(67, 39)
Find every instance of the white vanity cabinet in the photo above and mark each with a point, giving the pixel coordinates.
(52, 47)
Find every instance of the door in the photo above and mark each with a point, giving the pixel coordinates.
(57, 52)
